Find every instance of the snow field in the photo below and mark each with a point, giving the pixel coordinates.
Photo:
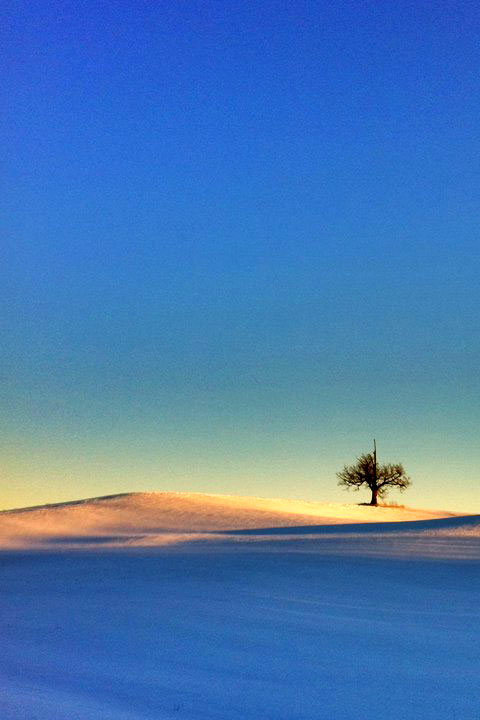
(379, 623)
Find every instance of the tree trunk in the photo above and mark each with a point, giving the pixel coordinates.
(374, 500)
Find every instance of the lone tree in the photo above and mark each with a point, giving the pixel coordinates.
(379, 478)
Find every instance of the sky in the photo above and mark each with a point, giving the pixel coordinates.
(239, 241)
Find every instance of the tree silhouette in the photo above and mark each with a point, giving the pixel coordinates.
(379, 478)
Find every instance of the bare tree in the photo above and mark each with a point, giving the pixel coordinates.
(378, 478)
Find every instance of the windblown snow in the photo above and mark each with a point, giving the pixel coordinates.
(187, 606)
(152, 519)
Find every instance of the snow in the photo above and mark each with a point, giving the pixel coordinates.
(162, 518)
(192, 607)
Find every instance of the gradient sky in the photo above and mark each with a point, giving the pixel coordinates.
(239, 240)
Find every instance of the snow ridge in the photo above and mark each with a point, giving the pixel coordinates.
(169, 518)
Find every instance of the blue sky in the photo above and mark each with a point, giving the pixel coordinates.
(239, 241)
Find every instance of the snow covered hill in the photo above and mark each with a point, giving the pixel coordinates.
(171, 606)
(152, 519)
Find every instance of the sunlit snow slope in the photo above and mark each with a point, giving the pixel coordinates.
(156, 519)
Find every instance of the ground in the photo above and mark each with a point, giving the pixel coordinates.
(202, 607)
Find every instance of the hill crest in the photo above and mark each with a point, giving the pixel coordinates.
(159, 518)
